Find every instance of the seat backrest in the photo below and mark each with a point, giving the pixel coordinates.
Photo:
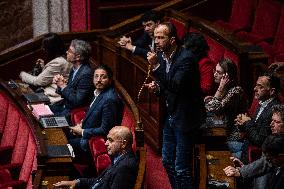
(3, 112)
(278, 43)
(11, 126)
(180, 27)
(242, 13)
(266, 18)
(206, 67)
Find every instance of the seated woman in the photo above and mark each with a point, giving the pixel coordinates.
(197, 44)
(228, 101)
(54, 48)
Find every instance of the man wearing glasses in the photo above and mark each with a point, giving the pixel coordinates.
(77, 91)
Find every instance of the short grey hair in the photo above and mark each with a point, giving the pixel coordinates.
(83, 49)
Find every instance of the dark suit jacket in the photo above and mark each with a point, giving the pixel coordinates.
(121, 175)
(181, 89)
(143, 45)
(257, 130)
(105, 113)
(78, 91)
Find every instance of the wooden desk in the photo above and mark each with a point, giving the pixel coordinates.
(49, 169)
(211, 165)
(216, 162)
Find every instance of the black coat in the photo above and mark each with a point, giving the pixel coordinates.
(121, 175)
(181, 89)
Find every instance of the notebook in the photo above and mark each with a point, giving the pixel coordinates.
(40, 110)
(37, 97)
(53, 122)
(60, 151)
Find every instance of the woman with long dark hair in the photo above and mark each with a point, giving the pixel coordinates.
(227, 102)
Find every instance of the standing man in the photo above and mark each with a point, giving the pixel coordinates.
(104, 112)
(257, 128)
(123, 171)
(177, 79)
(77, 91)
(145, 43)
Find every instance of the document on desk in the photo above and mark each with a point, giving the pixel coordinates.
(41, 110)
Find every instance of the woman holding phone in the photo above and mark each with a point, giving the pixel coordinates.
(227, 102)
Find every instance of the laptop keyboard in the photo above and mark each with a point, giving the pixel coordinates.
(54, 122)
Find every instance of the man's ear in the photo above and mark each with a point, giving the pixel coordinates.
(272, 91)
(172, 40)
(77, 57)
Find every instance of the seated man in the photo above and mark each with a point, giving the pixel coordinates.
(53, 47)
(272, 163)
(123, 170)
(104, 112)
(257, 168)
(78, 90)
(145, 43)
(257, 128)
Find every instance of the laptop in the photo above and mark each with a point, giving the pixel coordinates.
(46, 117)
(53, 122)
(36, 98)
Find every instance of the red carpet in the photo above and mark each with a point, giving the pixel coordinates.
(156, 176)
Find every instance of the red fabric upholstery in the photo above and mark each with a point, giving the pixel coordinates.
(78, 114)
(253, 107)
(206, 67)
(6, 181)
(11, 127)
(97, 144)
(265, 22)
(216, 51)
(3, 111)
(241, 15)
(180, 26)
(276, 50)
(129, 122)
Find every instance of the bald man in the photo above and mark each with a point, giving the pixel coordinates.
(123, 170)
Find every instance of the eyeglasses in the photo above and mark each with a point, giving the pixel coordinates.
(218, 72)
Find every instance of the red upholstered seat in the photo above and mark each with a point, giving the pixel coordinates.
(216, 51)
(265, 22)
(3, 112)
(7, 182)
(206, 67)
(180, 27)
(97, 143)
(241, 16)
(276, 50)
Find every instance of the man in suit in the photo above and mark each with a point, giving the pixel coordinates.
(177, 79)
(77, 91)
(270, 167)
(105, 111)
(257, 128)
(145, 42)
(123, 171)
(259, 170)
